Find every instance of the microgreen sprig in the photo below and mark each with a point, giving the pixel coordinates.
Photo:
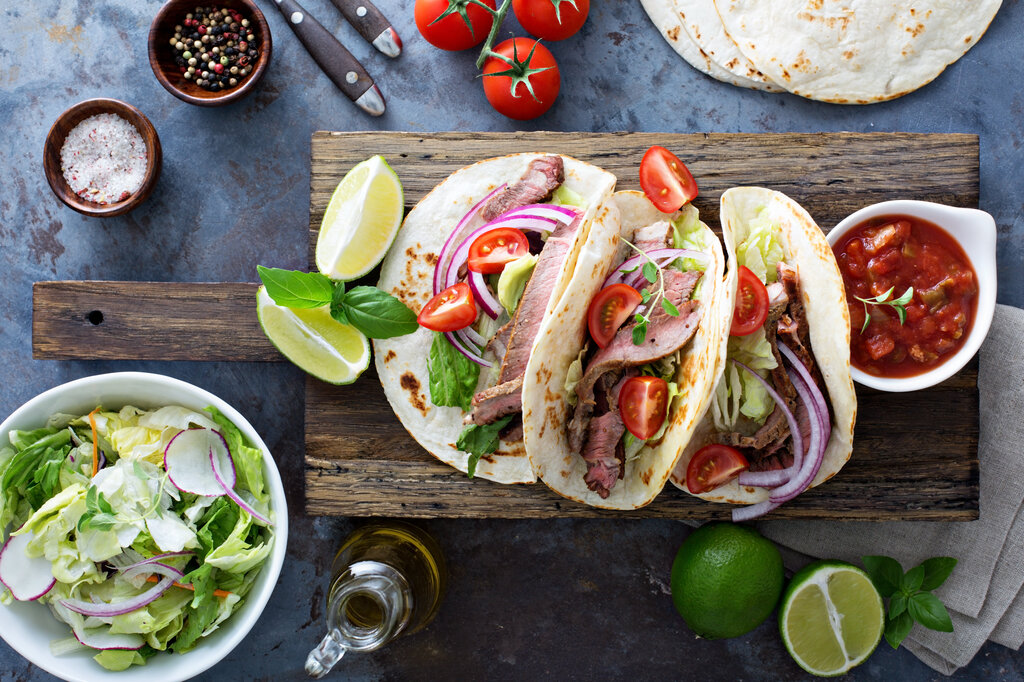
(910, 594)
(654, 274)
(898, 304)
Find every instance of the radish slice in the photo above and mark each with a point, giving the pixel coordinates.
(28, 578)
(101, 638)
(229, 491)
(187, 461)
(105, 610)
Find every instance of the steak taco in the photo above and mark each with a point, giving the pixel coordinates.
(626, 367)
(484, 258)
(782, 415)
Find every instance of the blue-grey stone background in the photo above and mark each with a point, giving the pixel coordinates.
(547, 599)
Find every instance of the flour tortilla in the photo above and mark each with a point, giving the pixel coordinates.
(407, 272)
(851, 52)
(545, 408)
(828, 317)
(672, 19)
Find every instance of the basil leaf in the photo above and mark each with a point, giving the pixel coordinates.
(897, 605)
(296, 289)
(936, 570)
(896, 629)
(479, 440)
(885, 573)
(911, 581)
(926, 609)
(338, 303)
(377, 313)
(452, 376)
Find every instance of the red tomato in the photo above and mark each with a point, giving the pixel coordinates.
(491, 251)
(452, 309)
(507, 84)
(751, 304)
(609, 310)
(452, 33)
(643, 403)
(551, 19)
(712, 466)
(666, 180)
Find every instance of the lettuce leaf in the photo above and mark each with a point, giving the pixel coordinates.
(453, 376)
(761, 251)
(117, 660)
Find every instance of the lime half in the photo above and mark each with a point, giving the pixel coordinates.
(314, 341)
(831, 617)
(361, 220)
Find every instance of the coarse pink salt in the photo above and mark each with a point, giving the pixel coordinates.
(104, 159)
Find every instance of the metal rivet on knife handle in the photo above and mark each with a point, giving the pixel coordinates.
(372, 25)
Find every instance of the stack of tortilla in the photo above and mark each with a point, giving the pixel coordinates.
(841, 51)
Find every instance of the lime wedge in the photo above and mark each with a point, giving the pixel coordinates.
(831, 618)
(314, 341)
(361, 220)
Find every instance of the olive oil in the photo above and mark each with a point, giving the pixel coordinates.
(387, 580)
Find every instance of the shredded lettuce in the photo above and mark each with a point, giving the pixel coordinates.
(761, 250)
(573, 376)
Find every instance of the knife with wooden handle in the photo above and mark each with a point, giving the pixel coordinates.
(334, 60)
(371, 24)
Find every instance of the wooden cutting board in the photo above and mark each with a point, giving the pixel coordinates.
(915, 455)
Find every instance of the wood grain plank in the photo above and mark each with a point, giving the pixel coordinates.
(196, 321)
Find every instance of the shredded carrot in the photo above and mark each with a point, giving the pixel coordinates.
(95, 442)
(188, 586)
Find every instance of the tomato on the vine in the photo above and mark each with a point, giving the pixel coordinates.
(466, 23)
(551, 19)
(523, 81)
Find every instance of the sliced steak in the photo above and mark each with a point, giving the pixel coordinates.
(603, 466)
(491, 404)
(542, 177)
(793, 329)
(651, 237)
(499, 342)
(513, 431)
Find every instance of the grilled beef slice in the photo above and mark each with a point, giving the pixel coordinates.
(491, 404)
(652, 237)
(542, 177)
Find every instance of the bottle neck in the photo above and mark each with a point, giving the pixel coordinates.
(369, 605)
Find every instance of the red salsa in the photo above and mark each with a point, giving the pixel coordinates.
(898, 252)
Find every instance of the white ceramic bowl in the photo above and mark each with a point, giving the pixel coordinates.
(29, 627)
(975, 231)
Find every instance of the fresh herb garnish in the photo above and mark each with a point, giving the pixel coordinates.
(453, 377)
(910, 594)
(479, 440)
(375, 313)
(898, 304)
(99, 515)
(654, 274)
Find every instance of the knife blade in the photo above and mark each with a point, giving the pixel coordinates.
(334, 60)
(371, 24)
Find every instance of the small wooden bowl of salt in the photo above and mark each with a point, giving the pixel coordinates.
(102, 157)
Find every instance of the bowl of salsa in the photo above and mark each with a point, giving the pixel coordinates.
(920, 283)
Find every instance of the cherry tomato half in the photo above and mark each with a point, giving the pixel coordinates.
(666, 180)
(491, 251)
(452, 33)
(551, 19)
(643, 404)
(712, 466)
(751, 304)
(609, 310)
(508, 93)
(452, 309)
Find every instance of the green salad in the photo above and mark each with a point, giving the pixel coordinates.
(142, 530)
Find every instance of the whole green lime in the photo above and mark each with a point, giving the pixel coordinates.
(726, 579)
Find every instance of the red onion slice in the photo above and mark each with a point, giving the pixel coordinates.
(819, 399)
(638, 260)
(491, 306)
(154, 559)
(151, 568)
(794, 429)
(475, 357)
(752, 511)
(441, 269)
(103, 610)
(562, 214)
(461, 255)
(815, 451)
(766, 479)
(466, 340)
(229, 488)
(475, 337)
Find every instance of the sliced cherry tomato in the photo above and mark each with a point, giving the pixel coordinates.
(751, 304)
(712, 466)
(525, 83)
(666, 180)
(551, 19)
(491, 251)
(643, 404)
(452, 33)
(609, 310)
(452, 309)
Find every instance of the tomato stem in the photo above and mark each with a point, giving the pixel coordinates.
(499, 17)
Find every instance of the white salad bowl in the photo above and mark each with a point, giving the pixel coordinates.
(29, 627)
(975, 231)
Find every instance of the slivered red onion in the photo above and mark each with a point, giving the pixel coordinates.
(819, 399)
(104, 610)
(474, 336)
(442, 258)
(461, 254)
(475, 357)
(153, 567)
(766, 479)
(794, 429)
(752, 511)
(491, 306)
(465, 338)
(562, 214)
(154, 559)
(638, 260)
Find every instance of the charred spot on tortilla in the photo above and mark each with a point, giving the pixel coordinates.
(673, 33)
(411, 384)
(390, 356)
(645, 476)
(431, 259)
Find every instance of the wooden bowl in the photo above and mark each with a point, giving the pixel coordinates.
(161, 54)
(59, 132)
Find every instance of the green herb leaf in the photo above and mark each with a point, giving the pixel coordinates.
(928, 610)
(650, 272)
(882, 299)
(452, 376)
(639, 333)
(897, 629)
(338, 303)
(905, 298)
(867, 318)
(912, 580)
(378, 314)
(629, 270)
(296, 289)
(897, 604)
(885, 573)
(936, 570)
(645, 296)
(479, 440)
(670, 307)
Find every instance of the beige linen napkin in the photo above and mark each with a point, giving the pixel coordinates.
(984, 593)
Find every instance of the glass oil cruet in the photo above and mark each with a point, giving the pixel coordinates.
(387, 580)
